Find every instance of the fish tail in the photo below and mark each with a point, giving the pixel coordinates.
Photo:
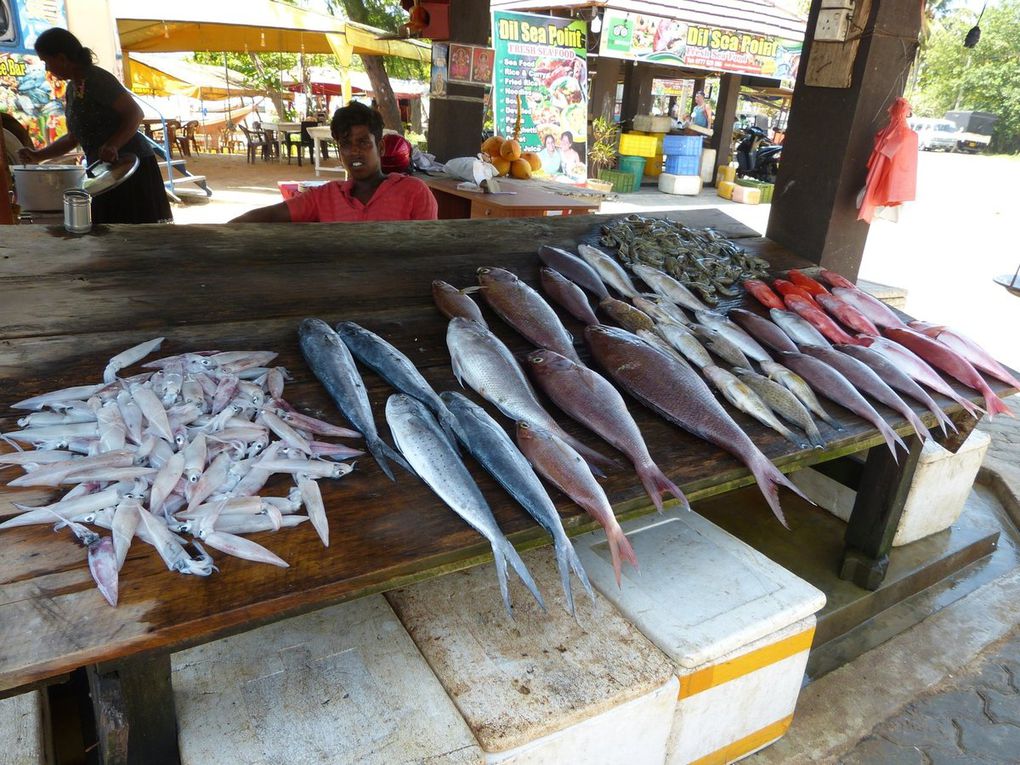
(501, 576)
(566, 559)
(620, 549)
(814, 435)
(382, 451)
(892, 438)
(769, 479)
(915, 421)
(656, 484)
(504, 552)
(996, 405)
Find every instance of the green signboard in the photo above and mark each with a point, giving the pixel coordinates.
(541, 63)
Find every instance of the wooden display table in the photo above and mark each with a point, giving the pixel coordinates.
(528, 200)
(70, 305)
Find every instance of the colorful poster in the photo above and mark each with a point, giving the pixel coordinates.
(27, 90)
(667, 41)
(541, 63)
(460, 63)
(481, 65)
(438, 77)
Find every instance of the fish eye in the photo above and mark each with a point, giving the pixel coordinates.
(483, 270)
(524, 426)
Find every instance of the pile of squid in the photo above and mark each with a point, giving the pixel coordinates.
(669, 351)
(701, 259)
(181, 449)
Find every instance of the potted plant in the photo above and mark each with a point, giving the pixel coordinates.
(605, 136)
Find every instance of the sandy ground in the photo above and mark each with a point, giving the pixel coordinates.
(945, 250)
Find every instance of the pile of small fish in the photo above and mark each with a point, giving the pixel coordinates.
(700, 259)
(184, 448)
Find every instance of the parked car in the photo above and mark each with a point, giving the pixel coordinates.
(975, 130)
(934, 134)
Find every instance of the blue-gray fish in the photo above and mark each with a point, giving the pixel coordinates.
(419, 438)
(492, 448)
(396, 369)
(331, 362)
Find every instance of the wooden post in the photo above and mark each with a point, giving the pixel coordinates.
(603, 88)
(831, 134)
(133, 702)
(722, 119)
(455, 121)
(6, 213)
(637, 90)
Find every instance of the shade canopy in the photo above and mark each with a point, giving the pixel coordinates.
(159, 74)
(256, 26)
(326, 81)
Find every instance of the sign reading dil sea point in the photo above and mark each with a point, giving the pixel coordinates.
(655, 39)
(543, 60)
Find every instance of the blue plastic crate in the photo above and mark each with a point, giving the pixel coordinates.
(684, 145)
(677, 164)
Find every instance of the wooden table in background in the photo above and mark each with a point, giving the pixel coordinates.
(72, 302)
(529, 200)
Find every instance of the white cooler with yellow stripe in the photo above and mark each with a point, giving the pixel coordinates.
(737, 627)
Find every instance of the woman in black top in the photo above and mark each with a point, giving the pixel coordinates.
(103, 119)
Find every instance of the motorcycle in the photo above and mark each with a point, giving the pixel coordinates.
(757, 156)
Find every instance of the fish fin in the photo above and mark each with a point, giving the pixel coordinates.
(470, 290)
(448, 423)
(382, 451)
(769, 479)
(620, 550)
(656, 484)
(566, 559)
(596, 461)
(505, 551)
(996, 405)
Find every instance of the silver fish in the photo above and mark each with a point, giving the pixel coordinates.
(782, 402)
(747, 401)
(419, 438)
(799, 388)
(608, 269)
(668, 287)
(797, 329)
(721, 346)
(734, 333)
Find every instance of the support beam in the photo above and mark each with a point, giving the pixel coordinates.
(723, 117)
(602, 99)
(455, 122)
(637, 90)
(831, 135)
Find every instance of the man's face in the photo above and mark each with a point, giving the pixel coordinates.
(359, 153)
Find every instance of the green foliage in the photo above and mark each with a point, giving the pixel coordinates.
(605, 136)
(985, 78)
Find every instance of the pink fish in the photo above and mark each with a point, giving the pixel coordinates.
(917, 368)
(847, 314)
(567, 294)
(784, 288)
(948, 360)
(454, 302)
(811, 313)
(872, 307)
(763, 293)
(836, 280)
(967, 348)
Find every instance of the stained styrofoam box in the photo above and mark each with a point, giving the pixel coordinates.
(21, 729)
(680, 184)
(543, 687)
(343, 684)
(737, 627)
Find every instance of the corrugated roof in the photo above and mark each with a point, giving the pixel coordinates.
(754, 16)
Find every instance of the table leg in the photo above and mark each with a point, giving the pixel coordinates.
(881, 495)
(133, 702)
(315, 154)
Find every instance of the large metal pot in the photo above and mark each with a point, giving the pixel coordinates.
(40, 188)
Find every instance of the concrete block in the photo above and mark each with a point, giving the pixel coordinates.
(736, 626)
(21, 730)
(942, 482)
(542, 688)
(343, 684)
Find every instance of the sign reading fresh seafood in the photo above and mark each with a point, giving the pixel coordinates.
(543, 60)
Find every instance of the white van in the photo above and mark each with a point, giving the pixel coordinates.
(934, 133)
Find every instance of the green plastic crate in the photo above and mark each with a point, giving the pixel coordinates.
(766, 188)
(623, 183)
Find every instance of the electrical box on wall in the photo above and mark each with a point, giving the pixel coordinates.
(833, 23)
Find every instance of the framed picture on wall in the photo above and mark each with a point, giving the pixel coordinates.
(440, 71)
(481, 65)
(460, 63)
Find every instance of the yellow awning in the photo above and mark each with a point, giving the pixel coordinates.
(154, 77)
(258, 25)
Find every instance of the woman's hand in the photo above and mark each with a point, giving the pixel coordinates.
(27, 156)
(108, 153)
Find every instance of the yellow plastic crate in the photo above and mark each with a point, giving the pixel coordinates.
(635, 145)
(653, 166)
(725, 173)
(724, 189)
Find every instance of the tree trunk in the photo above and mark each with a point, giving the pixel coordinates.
(274, 96)
(385, 100)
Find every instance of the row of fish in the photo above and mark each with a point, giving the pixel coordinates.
(184, 448)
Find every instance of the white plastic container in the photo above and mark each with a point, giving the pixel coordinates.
(543, 688)
(736, 626)
(707, 165)
(689, 185)
(344, 684)
(21, 730)
(942, 482)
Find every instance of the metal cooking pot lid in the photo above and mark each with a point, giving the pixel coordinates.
(100, 177)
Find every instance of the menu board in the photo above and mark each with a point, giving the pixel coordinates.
(541, 62)
(655, 39)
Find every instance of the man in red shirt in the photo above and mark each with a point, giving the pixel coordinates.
(369, 195)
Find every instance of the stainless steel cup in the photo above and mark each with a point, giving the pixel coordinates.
(77, 211)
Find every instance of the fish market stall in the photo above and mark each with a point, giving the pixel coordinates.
(72, 303)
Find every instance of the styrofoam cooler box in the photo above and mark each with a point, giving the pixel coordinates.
(939, 490)
(680, 184)
(737, 627)
(21, 730)
(746, 195)
(542, 688)
(707, 165)
(343, 684)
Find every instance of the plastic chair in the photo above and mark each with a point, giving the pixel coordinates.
(188, 141)
(304, 140)
(270, 145)
(254, 140)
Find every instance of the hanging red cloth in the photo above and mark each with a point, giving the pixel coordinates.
(892, 167)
